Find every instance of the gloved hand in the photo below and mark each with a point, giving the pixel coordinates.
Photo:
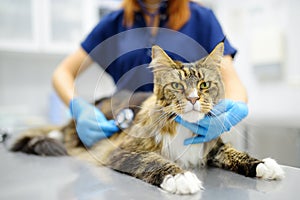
(224, 115)
(91, 124)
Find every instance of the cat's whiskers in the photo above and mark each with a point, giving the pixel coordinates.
(160, 122)
(171, 109)
(156, 125)
(179, 107)
(236, 130)
(141, 107)
(218, 120)
(158, 110)
(227, 121)
(162, 117)
(206, 108)
(233, 116)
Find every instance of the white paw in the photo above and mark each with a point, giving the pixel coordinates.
(269, 170)
(186, 183)
(57, 135)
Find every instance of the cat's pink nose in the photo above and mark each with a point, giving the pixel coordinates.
(193, 100)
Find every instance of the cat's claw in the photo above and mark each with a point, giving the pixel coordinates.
(186, 183)
(269, 170)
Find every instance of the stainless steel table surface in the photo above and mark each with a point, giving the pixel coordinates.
(47, 178)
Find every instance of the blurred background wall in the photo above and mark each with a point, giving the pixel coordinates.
(37, 34)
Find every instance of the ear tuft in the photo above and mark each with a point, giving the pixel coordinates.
(160, 59)
(216, 55)
(157, 52)
(219, 49)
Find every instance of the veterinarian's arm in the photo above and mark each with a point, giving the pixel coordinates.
(91, 124)
(234, 88)
(64, 76)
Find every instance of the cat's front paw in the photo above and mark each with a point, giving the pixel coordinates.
(269, 170)
(185, 183)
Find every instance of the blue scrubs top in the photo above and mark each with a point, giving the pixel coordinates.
(125, 52)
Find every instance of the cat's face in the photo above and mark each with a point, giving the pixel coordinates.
(188, 89)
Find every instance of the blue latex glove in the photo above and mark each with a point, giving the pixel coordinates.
(225, 115)
(91, 124)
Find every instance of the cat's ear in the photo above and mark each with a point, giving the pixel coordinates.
(160, 59)
(215, 57)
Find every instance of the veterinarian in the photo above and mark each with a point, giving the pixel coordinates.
(117, 57)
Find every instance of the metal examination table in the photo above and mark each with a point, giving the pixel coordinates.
(38, 178)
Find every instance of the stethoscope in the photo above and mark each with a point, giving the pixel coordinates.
(124, 118)
(161, 9)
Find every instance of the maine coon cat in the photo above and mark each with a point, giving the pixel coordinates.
(152, 148)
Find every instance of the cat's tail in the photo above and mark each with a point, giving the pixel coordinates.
(44, 141)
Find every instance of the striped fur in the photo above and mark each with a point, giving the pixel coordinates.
(152, 148)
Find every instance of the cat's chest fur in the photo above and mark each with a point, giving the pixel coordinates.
(173, 148)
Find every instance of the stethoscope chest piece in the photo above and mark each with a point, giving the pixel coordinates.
(124, 118)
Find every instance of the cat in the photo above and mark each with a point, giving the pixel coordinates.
(152, 148)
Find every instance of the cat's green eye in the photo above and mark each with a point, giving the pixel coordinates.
(177, 86)
(204, 85)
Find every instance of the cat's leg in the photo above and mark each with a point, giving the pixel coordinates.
(39, 145)
(44, 141)
(226, 157)
(269, 169)
(154, 169)
(48, 140)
